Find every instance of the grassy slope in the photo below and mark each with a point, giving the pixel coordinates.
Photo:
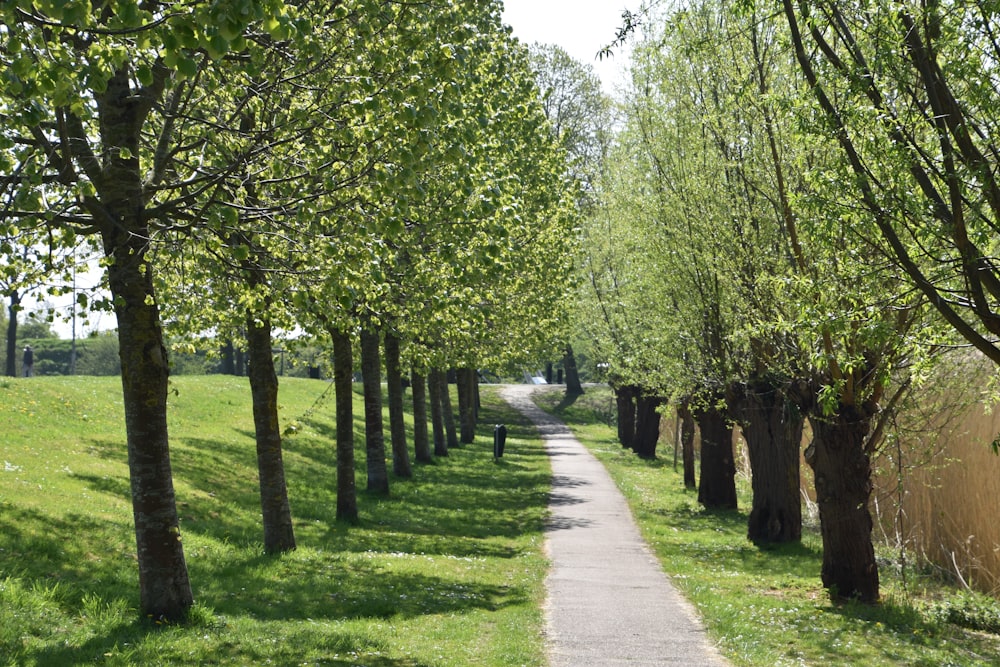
(767, 608)
(447, 571)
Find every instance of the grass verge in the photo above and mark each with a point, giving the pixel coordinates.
(766, 607)
(448, 570)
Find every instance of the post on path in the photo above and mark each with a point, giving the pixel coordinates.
(499, 440)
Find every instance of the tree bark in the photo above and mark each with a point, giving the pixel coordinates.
(467, 416)
(573, 386)
(686, 419)
(371, 376)
(118, 211)
(275, 509)
(772, 426)
(434, 383)
(842, 469)
(343, 371)
(421, 443)
(164, 587)
(447, 413)
(625, 400)
(12, 313)
(717, 489)
(397, 424)
(647, 426)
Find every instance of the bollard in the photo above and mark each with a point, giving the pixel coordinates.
(499, 439)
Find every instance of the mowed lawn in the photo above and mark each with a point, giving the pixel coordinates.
(448, 570)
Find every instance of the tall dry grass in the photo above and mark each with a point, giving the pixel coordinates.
(938, 480)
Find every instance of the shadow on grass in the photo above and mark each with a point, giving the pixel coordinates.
(332, 586)
(467, 507)
(113, 646)
(83, 555)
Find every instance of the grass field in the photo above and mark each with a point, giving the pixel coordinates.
(447, 571)
(767, 608)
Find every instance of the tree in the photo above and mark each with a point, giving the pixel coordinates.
(106, 105)
(421, 443)
(909, 95)
(84, 88)
(776, 316)
(467, 381)
(435, 382)
(31, 265)
(371, 373)
(579, 116)
(578, 112)
(347, 500)
(394, 382)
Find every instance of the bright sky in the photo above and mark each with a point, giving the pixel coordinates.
(582, 27)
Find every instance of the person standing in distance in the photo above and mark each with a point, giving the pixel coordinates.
(29, 362)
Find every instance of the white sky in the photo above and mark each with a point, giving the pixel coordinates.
(582, 27)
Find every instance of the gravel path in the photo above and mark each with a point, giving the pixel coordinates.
(609, 603)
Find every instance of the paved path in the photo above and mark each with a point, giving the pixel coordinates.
(609, 603)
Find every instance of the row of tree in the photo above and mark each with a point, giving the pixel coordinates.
(799, 215)
(375, 174)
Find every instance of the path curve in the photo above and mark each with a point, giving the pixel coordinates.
(609, 602)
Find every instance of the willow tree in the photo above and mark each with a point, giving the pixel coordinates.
(798, 306)
(905, 94)
(728, 71)
(910, 97)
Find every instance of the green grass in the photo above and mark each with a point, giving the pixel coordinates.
(446, 571)
(767, 607)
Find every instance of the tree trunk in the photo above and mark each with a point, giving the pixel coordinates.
(227, 364)
(573, 386)
(277, 515)
(686, 419)
(12, 313)
(772, 427)
(164, 586)
(625, 400)
(241, 362)
(477, 399)
(467, 404)
(371, 377)
(842, 470)
(647, 426)
(434, 384)
(718, 469)
(421, 443)
(447, 413)
(343, 371)
(397, 425)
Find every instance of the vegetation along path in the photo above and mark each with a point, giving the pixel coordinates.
(609, 602)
